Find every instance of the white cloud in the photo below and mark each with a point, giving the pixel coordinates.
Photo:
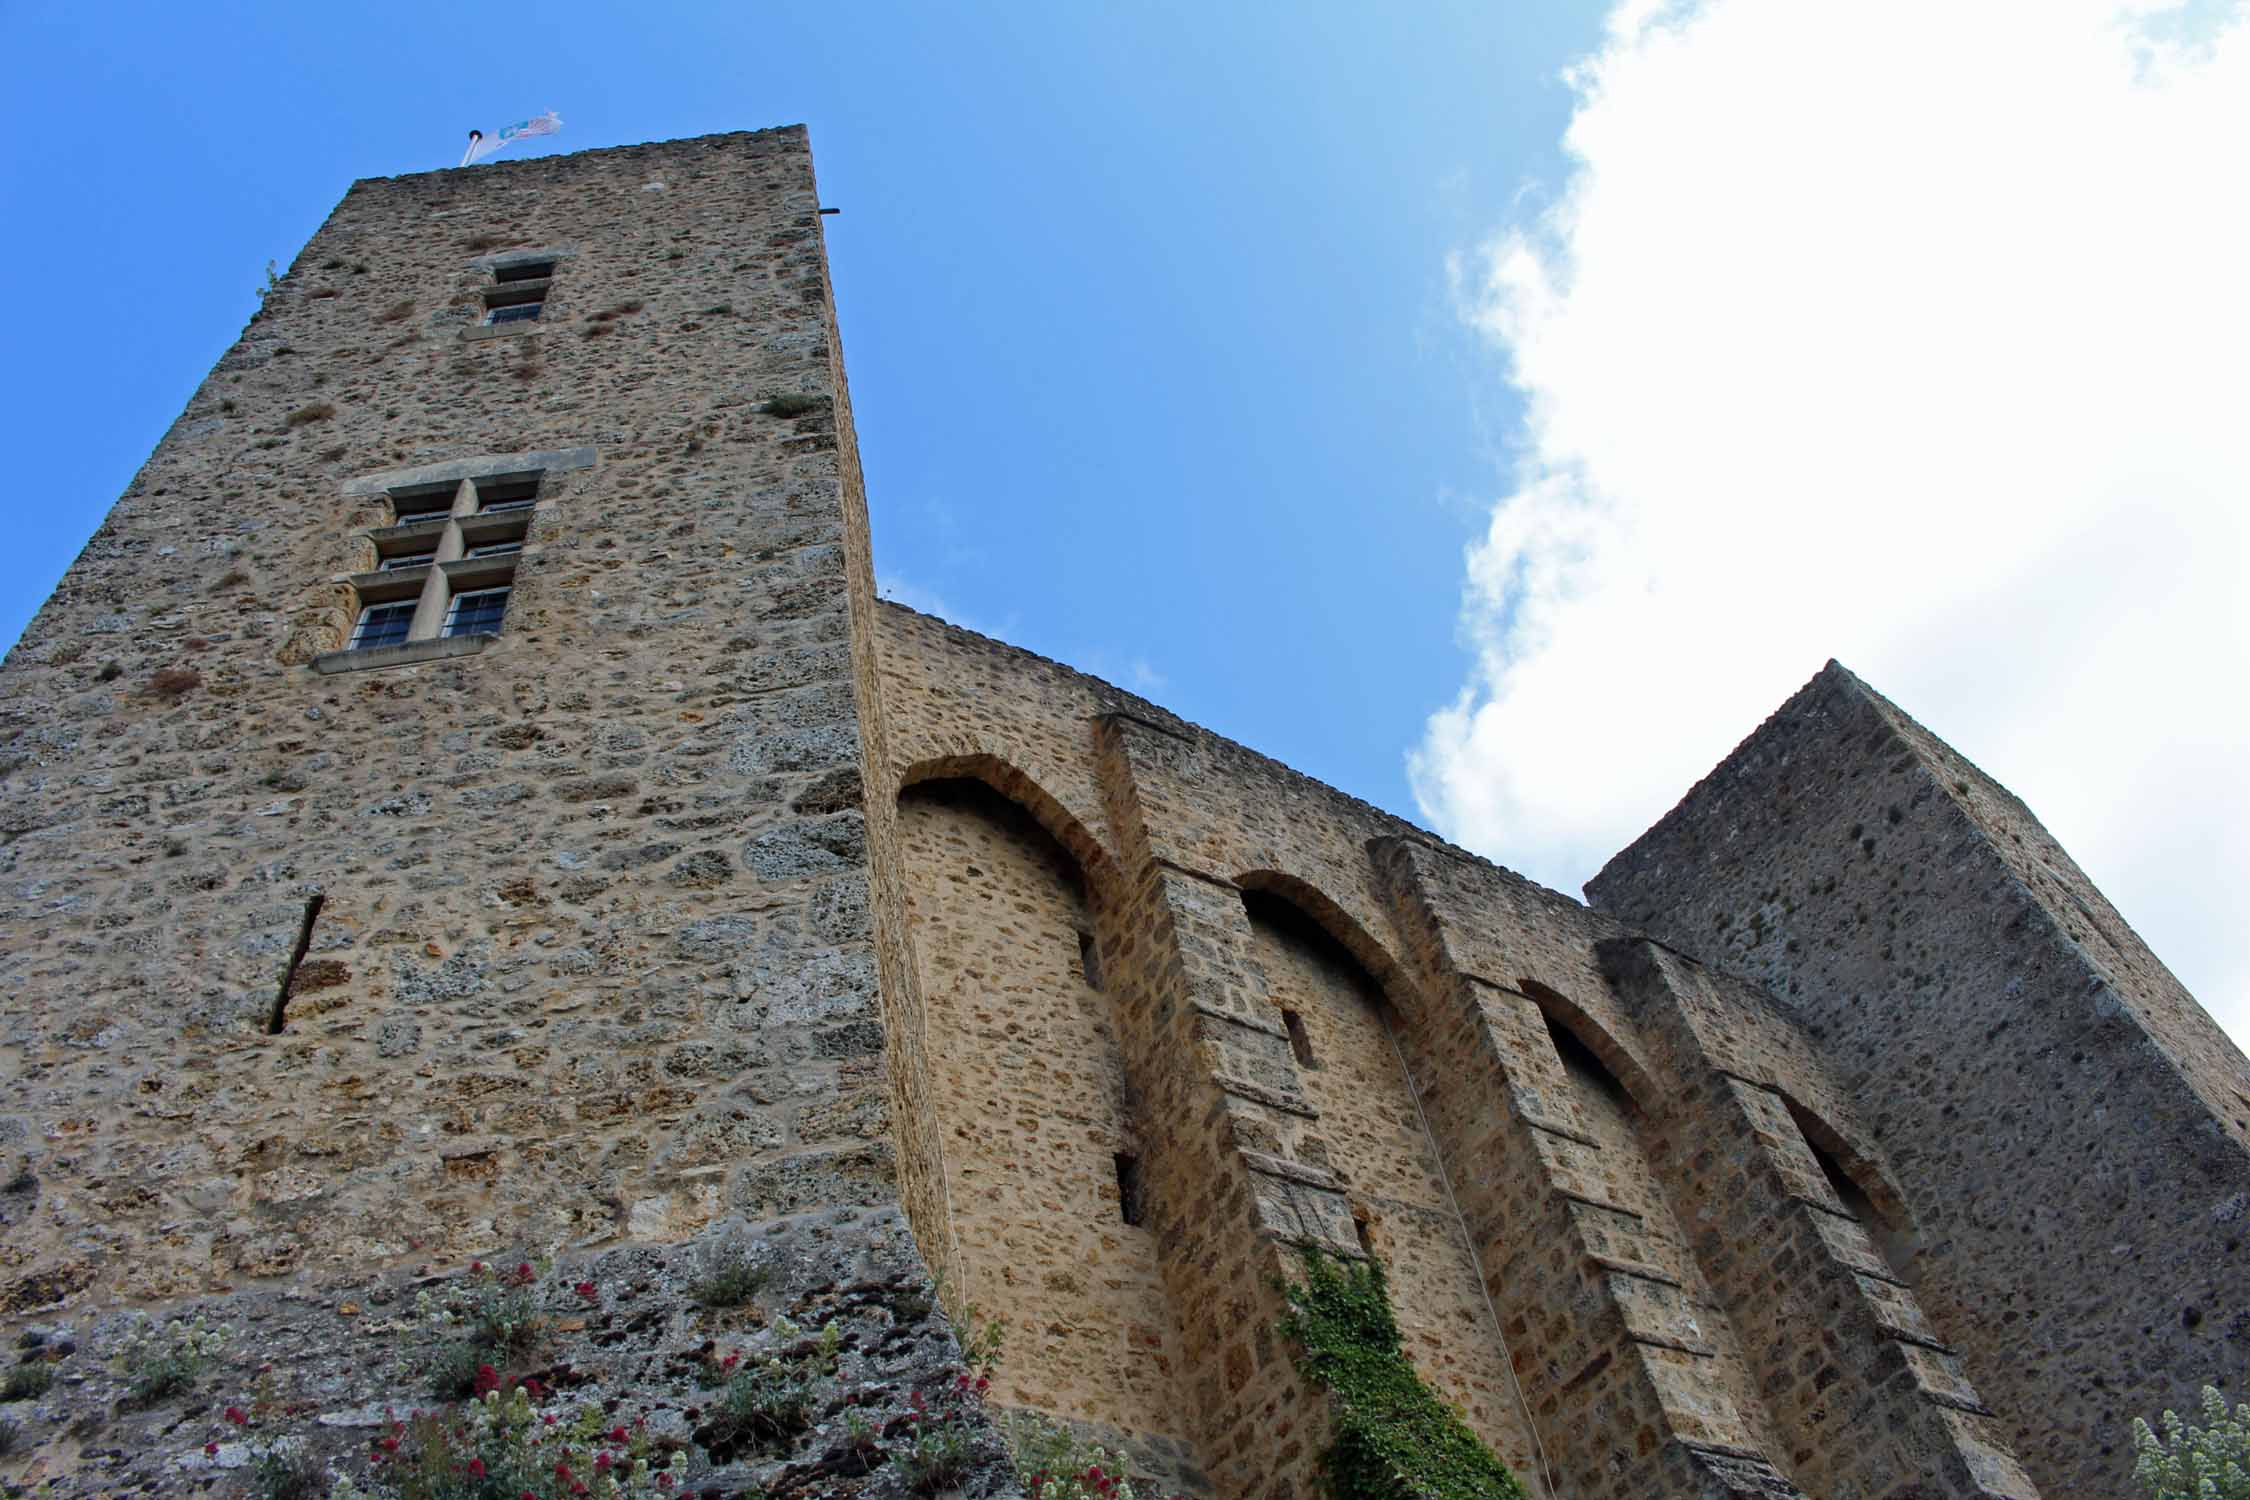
(1915, 334)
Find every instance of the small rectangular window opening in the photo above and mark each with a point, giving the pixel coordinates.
(398, 560)
(496, 549)
(1090, 960)
(427, 503)
(1130, 1205)
(477, 612)
(507, 493)
(518, 293)
(1366, 1236)
(1300, 1041)
(381, 625)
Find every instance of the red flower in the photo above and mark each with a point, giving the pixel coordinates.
(562, 1472)
(586, 1289)
(476, 1468)
(523, 1271)
(388, 1445)
(476, 1265)
(617, 1434)
(488, 1379)
(238, 1416)
(210, 1450)
(601, 1463)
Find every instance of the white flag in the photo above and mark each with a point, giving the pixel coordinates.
(482, 145)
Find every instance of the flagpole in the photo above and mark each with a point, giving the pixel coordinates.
(474, 137)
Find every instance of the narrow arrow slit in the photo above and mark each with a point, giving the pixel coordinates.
(289, 975)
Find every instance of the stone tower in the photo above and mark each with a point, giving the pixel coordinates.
(466, 809)
(2075, 1124)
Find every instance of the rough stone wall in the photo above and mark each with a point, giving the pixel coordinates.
(1371, 1134)
(1030, 1095)
(1488, 1092)
(592, 961)
(2067, 1123)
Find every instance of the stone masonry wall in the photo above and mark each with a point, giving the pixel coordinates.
(315, 978)
(1031, 1099)
(1472, 1083)
(2066, 1122)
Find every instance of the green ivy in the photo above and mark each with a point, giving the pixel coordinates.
(1395, 1440)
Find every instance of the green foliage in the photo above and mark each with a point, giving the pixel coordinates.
(11, 1436)
(2210, 1462)
(939, 1455)
(980, 1336)
(729, 1276)
(452, 1368)
(164, 1362)
(497, 1315)
(499, 1447)
(1058, 1464)
(1395, 1440)
(24, 1382)
(792, 404)
(772, 1400)
(291, 1474)
(504, 1313)
(980, 1340)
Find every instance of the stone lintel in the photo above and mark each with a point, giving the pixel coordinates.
(407, 654)
(482, 466)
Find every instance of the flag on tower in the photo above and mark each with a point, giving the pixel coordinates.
(482, 145)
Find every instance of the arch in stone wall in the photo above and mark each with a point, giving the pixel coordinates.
(1866, 1172)
(1339, 924)
(1031, 1108)
(1589, 1033)
(1018, 786)
(1364, 1048)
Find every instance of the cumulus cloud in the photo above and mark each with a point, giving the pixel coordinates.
(1914, 334)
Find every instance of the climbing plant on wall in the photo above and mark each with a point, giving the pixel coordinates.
(1394, 1439)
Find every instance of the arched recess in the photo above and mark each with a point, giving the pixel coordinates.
(1862, 1186)
(1570, 1018)
(1622, 1111)
(1004, 777)
(1027, 1093)
(1342, 928)
(1364, 1057)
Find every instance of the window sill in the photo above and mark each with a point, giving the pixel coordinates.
(517, 329)
(438, 648)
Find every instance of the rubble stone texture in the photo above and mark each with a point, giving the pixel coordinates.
(1850, 1146)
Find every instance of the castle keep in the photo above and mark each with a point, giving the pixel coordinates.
(468, 804)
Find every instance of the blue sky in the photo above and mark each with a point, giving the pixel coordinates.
(1493, 409)
(1144, 306)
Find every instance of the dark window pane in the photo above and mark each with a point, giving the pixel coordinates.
(522, 312)
(478, 613)
(382, 625)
